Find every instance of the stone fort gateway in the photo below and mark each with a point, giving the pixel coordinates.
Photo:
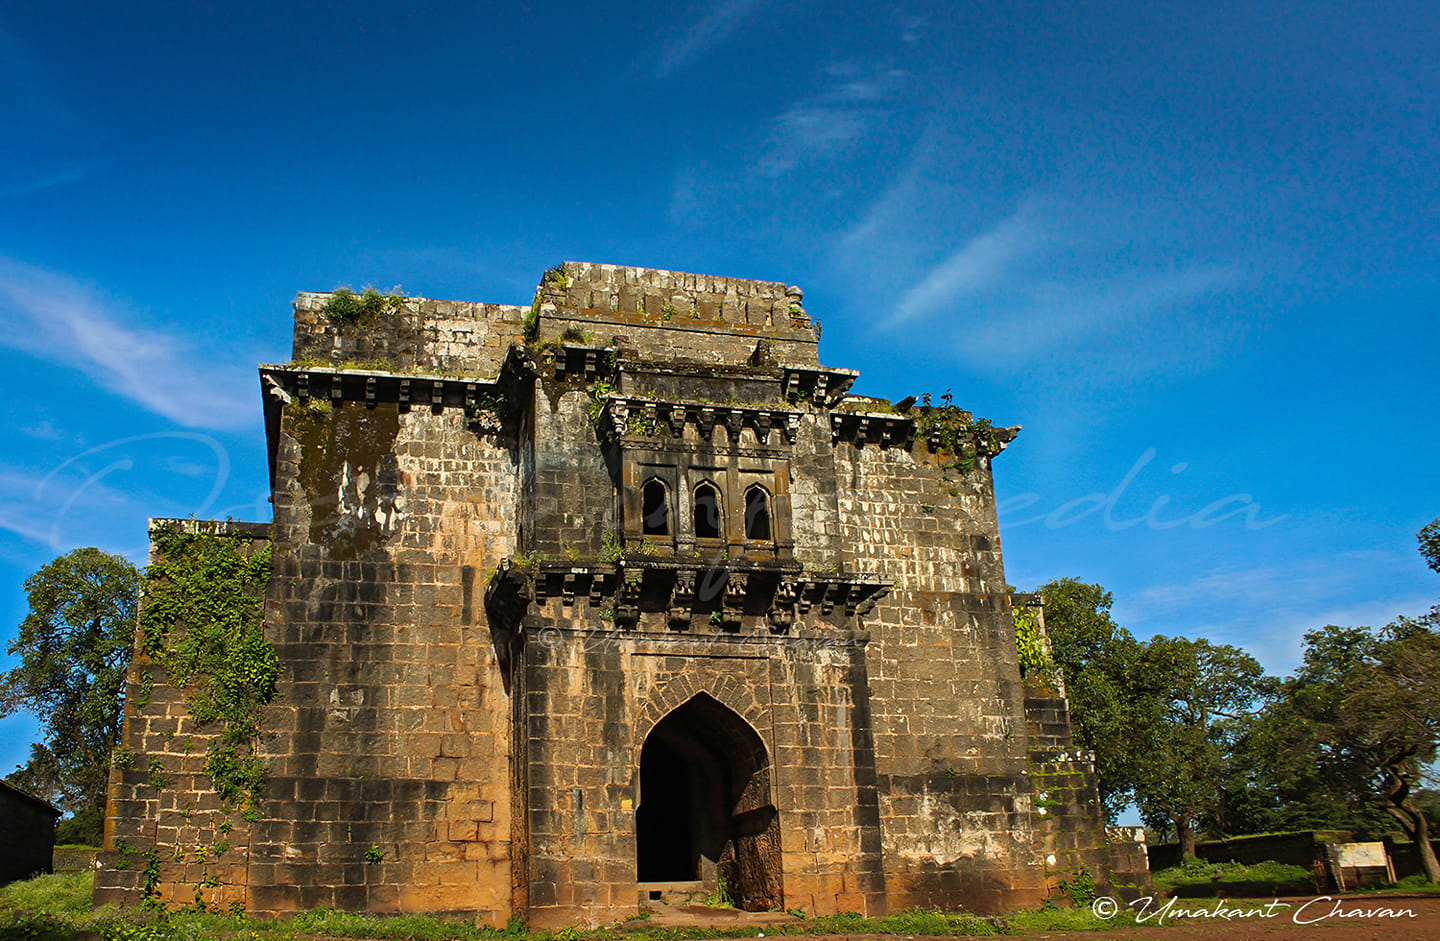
(616, 598)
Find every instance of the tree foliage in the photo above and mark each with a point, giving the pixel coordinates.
(74, 645)
(1430, 543)
(1198, 698)
(1161, 717)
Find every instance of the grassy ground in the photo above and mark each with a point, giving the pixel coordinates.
(57, 908)
(1199, 879)
(1196, 878)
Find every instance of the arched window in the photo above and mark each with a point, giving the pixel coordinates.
(757, 514)
(707, 512)
(655, 508)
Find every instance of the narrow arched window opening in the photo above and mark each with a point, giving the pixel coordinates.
(757, 514)
(707, 512)
(655, 509)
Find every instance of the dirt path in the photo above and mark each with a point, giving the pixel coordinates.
(1389, 917)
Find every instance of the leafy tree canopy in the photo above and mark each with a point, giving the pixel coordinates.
(1430, 543)
(1100, 663)
(74, 646)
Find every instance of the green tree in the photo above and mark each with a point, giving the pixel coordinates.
(1099, 662)
(1300, 754)
(1197, 698)
(1430, 543)
(74, 646)
(1391, 719)
(1359, 721)
(1162, 718)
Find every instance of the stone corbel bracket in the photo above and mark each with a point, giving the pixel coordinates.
(824, 387)
(584, 363)
(861, 428)
(370, 387)
(643, 418)
(678, 590)
(1002, 436)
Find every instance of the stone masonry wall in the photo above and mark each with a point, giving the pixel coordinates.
(389, 739)
(591, 695)
(676, 315)
(571, 502)
(167, 833)
(956, 805)
(411, 769)
(425, 336)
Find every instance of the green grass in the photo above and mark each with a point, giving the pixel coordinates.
(1415, 884)
(1196, 878)
(63, 894)
(57, 908)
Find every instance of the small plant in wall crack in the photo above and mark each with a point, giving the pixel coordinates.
(345, 308)
(374, 854)
(599, 392)
(954, 434)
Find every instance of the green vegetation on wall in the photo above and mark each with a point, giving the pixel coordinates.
(203, 620)
(345, 307)
(955, 432)
(1035, 662)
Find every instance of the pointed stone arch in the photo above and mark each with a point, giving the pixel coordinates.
(706, 795)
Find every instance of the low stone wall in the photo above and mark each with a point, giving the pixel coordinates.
(74, 859)
(1405, 858)
(1300, 848)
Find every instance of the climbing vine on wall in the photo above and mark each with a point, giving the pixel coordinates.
(952, 431)
(203, 620)
(1034, 658)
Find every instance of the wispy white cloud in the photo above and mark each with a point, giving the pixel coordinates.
(712, 29)
(685, 199)
(980, 264)
(34, 184)
(1047, 275)
(57, 514)
(55, 317)
(855, 100)
(43, 430)
(911, 29)
(1268, 609)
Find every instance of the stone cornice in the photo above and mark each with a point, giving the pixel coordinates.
(682, 588)
(372, 386)
(628, 416)
(820, 385)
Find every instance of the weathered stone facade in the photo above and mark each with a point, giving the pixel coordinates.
(588, 603)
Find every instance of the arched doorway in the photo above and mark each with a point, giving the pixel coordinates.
(705, 795)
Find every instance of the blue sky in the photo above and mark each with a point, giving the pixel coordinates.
(1191, 247)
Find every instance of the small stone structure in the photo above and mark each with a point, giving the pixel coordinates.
(617, 597)
(27, 831)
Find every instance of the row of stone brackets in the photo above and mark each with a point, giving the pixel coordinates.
(375, 387)
(861, 427)
(794, 593)
(585, 361)
(825, 387)
(621, 415)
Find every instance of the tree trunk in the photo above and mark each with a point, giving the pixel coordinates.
(1185, 836)
(1411, 818)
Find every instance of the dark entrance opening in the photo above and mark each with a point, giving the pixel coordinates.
(707, 512)
(655, 509)
(705, 795)
(757, 515)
